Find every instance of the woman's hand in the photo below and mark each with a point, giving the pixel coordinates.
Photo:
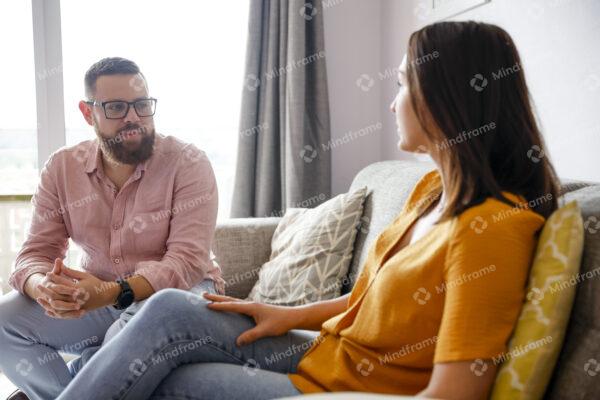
(270, 320)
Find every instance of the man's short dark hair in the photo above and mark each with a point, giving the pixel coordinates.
(108, 66)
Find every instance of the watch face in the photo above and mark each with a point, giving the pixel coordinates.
(127, 299)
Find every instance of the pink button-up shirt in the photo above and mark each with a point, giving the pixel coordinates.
(160, 224)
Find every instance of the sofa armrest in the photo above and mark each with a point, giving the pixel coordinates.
(241, 247)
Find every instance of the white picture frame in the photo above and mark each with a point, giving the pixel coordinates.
(445, 9)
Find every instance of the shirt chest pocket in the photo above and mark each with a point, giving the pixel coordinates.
(148, 232)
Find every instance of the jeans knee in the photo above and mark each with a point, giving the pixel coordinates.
(14, 309)
(168, 301)
(13, 306)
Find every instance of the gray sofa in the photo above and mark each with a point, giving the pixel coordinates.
(243, 245)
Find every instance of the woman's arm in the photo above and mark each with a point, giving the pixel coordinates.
(313, 315)
(461, 380)
(277, 320)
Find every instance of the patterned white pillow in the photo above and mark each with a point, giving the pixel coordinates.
(311, 252)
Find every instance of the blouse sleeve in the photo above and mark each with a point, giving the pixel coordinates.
(485, 277)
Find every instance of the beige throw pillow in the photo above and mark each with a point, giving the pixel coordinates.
(311, 252)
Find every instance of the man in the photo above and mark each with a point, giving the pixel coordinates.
(143, 209)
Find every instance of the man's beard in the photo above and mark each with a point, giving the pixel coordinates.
(116, 149)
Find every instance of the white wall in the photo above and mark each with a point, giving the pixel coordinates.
(559, 46)
(353, 47)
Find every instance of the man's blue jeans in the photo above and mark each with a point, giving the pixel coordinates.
(177, 348)
(30, 341)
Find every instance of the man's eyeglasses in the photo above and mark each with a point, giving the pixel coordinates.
(118, 109)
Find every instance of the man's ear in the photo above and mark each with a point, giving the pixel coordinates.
(86, 111)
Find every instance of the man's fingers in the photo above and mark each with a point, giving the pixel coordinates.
(218, 297)
(45, 305)
(67, 291)
(51, 294)
(66, 315)
(51, 312)
(52, 315)
(59, 305)
(72, 314)
(57, 265)
(73, 273)
(61, 280)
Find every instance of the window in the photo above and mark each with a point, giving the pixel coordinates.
(192, 54)
(18, 119)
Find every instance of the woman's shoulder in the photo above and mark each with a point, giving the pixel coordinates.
(496, 215)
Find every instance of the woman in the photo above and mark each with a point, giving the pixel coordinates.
(442, 287)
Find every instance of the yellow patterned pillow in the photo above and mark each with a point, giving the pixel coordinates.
(537, 339)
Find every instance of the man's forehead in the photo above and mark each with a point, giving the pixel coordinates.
(121, 86)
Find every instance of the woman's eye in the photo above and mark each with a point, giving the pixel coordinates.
(399, 84)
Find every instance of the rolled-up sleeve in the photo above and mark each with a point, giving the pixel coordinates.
(187, 260)
(47, 238)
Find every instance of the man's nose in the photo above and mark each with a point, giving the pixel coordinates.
(131, 115)
(393, 105)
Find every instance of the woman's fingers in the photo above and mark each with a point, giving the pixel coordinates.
(219, 298)
(232, 306)
(250, 336)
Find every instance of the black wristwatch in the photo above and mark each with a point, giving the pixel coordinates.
(126, 297)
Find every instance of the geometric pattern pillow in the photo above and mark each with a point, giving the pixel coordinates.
(537, 338)
(311, 252)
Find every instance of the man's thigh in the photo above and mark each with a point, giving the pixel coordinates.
(27, 321)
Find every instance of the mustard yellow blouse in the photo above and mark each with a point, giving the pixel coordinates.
(454, 294)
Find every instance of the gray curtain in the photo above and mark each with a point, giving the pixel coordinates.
(284, 150)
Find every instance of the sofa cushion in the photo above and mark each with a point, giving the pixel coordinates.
(537, 339)
(311, 250)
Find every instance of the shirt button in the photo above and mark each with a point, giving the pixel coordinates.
(116, 226)
(117, 260)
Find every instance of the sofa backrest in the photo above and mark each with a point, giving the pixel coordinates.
(574, 377)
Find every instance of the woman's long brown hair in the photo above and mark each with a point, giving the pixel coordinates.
(467, 77)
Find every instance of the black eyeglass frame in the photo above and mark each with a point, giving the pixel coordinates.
(129, 104)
